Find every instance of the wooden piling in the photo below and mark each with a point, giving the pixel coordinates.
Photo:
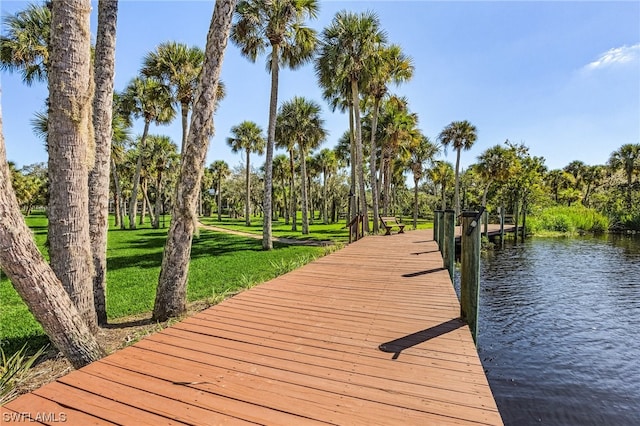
(440, 230)
(470, 271)
(436, 226)
(449, 241)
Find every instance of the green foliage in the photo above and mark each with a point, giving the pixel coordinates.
(568, 220)
(14, 369)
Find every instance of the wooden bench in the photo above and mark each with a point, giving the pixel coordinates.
(389, 222)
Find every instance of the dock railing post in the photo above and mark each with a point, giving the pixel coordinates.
(449, 241)
(440, 230)
(470, 271)
(485, 219)
(436, 226)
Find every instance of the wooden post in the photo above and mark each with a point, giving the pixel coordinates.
(502, 225)
(470, 271)
(440, 229)
(485, 217)
(436, 226)
(449, 241)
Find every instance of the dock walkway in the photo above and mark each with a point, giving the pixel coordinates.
(368, 335)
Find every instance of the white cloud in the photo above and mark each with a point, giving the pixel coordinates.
(617, 55)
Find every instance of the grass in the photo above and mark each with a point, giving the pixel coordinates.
(563, 220)
(336, 232)
(220, 264)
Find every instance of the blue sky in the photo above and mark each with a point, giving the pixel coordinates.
(561, 77)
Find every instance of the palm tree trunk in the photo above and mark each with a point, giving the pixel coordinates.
(267, 244)
(305, 207)
(247, 187)
(145, 193)
(415, 203)
(184, 112)
(359, 152)
(219, 198)
(172, 283)
(457, 184)
(294, 213)
(156, 219)
(284, 196)
(372, 165)
(35, 281)
(325, 213)
(99, 175)
(70, 143)
(133, 203)
(353, 210)
(119, 198)
(145, 199)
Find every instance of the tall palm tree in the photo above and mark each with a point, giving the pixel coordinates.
(104, 71)
(442, 174)
(347, 46)
(422, 153)
(300, 121)
(627, 158)
(220, 170)
(247, 137)
(179, 67)
(171, 294)
(284, 141)
(461, 135)
(279, 24)
(281, 172)
(36, 282)
(328, 163)
(163, 156)
(149, 99)
(496, 164)
(388, 65)
(70, 93)
(398, 130)
(25, 47)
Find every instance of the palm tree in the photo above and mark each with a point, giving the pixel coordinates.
(35, 281)
(178, 66)
(442, 174)
(220, 170)
(284, 141)
(279, 24)
(627, 158)
(388, 65)
(496, 164)
(461, 135)
(398, 130)
(247, 137)
(25, 47)
(348, 44)
(281, 172)
(328, 163)
(422, 153)
(300, 121)
(104, 71)
(171, 294)
(149, 99)
(163, 156)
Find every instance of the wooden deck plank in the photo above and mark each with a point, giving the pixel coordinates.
(347, 339)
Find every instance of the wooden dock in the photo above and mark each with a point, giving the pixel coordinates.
(367, 335)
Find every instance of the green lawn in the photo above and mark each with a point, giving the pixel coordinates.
(336, 232)
(219, 263)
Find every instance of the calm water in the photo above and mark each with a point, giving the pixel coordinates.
(559, 331)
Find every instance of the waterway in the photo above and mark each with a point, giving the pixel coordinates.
(559, 330)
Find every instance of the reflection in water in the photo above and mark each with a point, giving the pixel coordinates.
(558, 330)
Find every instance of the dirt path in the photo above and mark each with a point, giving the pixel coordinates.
(290, 241)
